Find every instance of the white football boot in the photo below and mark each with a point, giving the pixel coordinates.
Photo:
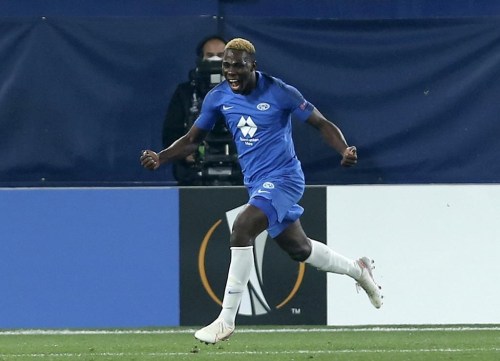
(367, 283)
(215, 332)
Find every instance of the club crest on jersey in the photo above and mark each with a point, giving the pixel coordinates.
(263, 106)
(268, 185)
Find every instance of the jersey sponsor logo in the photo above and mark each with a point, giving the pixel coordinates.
(247, 126)
(263, 106)
(227, 107)
(260, 191)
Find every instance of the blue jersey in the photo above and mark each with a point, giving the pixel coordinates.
(260, 123)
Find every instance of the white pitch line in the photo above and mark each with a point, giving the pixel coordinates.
(237, 353)
(249, 330)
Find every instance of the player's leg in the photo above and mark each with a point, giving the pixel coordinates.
(303, 249)
(248, 225)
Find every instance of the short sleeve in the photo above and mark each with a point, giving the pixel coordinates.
(209, 112)
(296, 103)
(303, 111)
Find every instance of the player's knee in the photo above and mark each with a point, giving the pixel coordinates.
(248, 225)
(241, 235)
(239, 239)
(300, 252)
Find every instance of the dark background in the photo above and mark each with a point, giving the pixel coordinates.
(414, 85)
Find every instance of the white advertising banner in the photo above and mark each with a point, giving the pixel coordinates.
(436, 250)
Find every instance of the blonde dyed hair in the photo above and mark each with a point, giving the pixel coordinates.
(241, 44)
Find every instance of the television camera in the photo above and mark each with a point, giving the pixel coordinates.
(216, 159)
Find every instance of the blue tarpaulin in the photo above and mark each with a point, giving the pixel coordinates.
(81, 97)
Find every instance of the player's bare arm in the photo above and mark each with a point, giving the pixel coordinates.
(333, 137)
(180, 149)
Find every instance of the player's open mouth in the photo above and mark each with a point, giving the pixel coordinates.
(234, 84)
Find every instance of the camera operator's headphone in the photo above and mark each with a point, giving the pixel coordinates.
(201, 44)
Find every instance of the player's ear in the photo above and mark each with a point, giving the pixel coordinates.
(254, 65)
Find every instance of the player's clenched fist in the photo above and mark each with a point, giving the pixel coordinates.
(150, 160)
(350, 157)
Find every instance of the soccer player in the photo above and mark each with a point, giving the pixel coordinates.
(257, 109)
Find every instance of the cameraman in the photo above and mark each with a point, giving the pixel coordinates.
(185, 106)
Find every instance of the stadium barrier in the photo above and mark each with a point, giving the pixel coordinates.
(136, 257)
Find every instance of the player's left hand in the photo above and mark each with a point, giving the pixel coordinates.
(150, 160)
(349, 157)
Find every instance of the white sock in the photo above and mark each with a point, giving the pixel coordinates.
(326, 259)
(242, 261)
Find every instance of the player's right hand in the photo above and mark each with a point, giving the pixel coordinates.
(150, 159)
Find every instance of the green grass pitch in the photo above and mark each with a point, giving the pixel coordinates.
(266, 343)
